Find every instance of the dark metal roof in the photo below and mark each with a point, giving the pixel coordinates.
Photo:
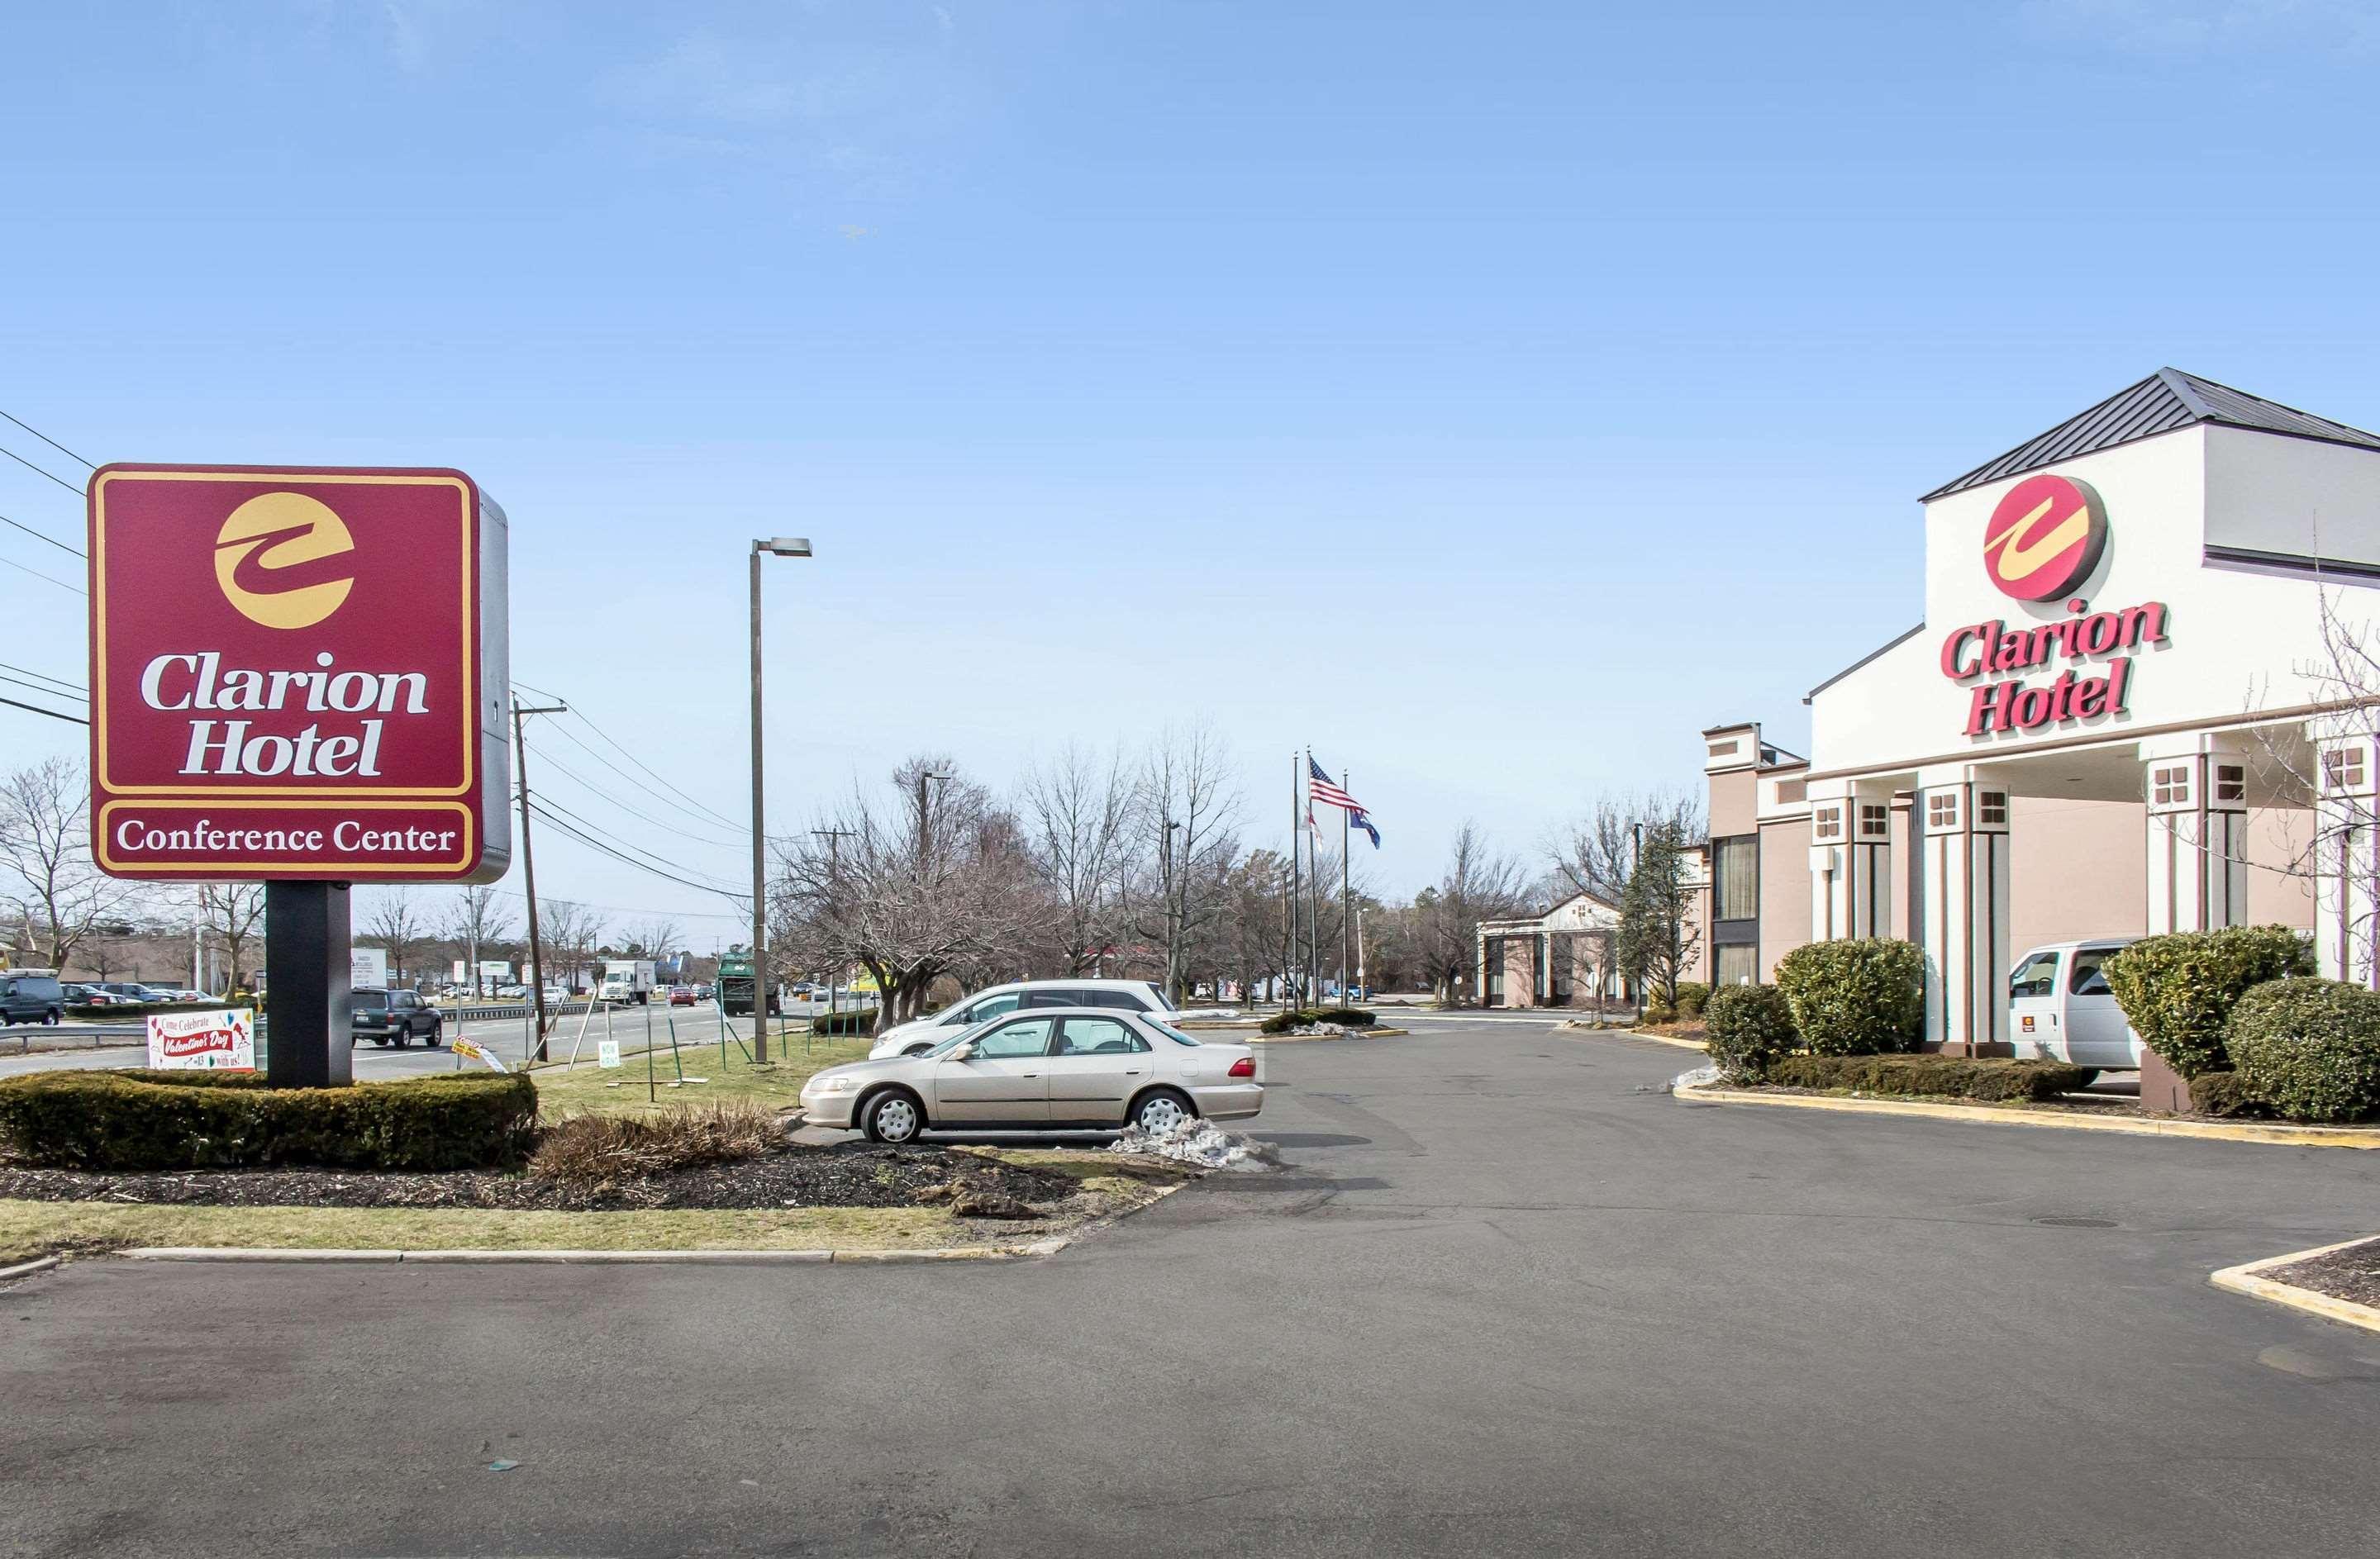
(2166, 400)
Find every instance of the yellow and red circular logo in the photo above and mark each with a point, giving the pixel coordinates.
(281, 560)
(2044, 538)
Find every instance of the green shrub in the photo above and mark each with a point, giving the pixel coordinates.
(139, 1120)
(1305, 1018)
(1749, 1029)
(1693, 996)
(1659, 1011)
(861, 1020)
(2308, 1047)
(2225, 1094)
(1953, 1077)
(2177, 991)
(1862, 995)
(1346, 1017)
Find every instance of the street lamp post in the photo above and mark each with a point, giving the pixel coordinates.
(781, 546)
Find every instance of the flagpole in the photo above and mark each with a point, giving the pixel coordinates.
(1312, 891)
(1346, 892)
(1296, 878)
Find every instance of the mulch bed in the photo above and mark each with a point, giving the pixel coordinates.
(854, 1175)
(2353, 1274)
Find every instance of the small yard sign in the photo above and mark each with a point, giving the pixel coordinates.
(222, 1040)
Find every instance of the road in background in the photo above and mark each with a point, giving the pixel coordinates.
(1508, 1298)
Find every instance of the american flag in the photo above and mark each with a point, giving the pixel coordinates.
(1322, 788)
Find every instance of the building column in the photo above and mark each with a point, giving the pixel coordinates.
(2196, 788)
(1963, 838)
(1851, 859)
(1479, 991)
(2346, 854)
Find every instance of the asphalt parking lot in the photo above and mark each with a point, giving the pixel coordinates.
(1506, 1298)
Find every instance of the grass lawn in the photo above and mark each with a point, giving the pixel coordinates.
(589, 1089)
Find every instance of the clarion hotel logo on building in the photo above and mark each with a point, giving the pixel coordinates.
(2044, 539)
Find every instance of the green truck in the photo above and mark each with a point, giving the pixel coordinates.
(735, 987)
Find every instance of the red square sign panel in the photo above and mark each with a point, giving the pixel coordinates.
(297, 674)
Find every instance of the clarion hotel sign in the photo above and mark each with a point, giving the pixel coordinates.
(298, 673)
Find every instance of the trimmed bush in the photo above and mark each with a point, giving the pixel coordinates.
(1951, 1077)
(1693, 996)
(2308, 1047)
(1863, 995)
(140, 1119)
(2225, 1094)
(2178, 991)
(861, 1022)
(1345, 1017)
(1750, 1028)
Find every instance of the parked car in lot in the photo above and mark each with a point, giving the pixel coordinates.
(681, 996)
(921, 1034)
(31, 996)
(81, 992)
(395, 1018)
(128, 992)
(1045, 1069)
(2060, 1008)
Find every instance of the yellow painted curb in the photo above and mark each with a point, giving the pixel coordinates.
(2209, 1130)
(2244, 1279)
(1578, 1030)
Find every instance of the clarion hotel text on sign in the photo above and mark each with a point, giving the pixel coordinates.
(297, 674)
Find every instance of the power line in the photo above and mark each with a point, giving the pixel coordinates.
(75, 720)
(29, 672)
(564, 731)
(40, 536)
(37, 687)
(539, 807)
(545, 756)
(640, 763)
(47, 440)
(37, 573)
(51, 474)
(662, 861)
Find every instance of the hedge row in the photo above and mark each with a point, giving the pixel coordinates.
(2308, 1048)
(1344, 1017)
(1946, 1077)
(140, 1119)
(859, 1021)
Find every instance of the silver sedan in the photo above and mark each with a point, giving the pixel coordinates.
(1046, 1070)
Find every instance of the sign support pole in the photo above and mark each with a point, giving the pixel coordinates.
(307, 941)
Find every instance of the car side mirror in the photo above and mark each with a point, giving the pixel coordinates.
(960, 1054)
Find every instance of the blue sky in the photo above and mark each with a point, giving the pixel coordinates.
(1490, 396)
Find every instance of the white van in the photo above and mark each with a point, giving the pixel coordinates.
(2060, 1008)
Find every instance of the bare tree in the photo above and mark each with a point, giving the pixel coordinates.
(1079, 813)
(59, 895)
(1479, 884)
(937, 882)
(395, 922)
(478, 919)
(572, 933)
(1191, 805)
(233, 914)
(2333, 846)
(1597, 850)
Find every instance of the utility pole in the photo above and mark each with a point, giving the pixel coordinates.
(1172, 915)
(528, 873)
(1346, 884)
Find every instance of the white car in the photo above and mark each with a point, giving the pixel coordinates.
(1067, 1069)
(921, 1034)
(2060, 1008)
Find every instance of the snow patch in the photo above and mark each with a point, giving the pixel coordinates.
(1201, 1143)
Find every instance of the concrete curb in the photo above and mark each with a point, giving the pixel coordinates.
(2207, 1130)
(1584, 1029)
(1326, 1038)
(2244, 1279)
(26, 1269)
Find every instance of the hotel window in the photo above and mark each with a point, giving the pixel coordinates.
(1828, 823)
(1737, 965)
(2169, 786)
(1876, 820)
(1735, 865)
(2343, 768)
(1991, 809)
(1942, 809)
(2230, 782)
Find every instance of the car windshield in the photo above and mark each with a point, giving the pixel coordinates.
(1176, 1035)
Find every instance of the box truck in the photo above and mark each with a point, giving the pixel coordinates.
(628, 979)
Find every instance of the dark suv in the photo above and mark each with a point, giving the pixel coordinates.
(393, 1017)
(32, 998)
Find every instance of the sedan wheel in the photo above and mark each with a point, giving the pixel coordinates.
(1161, 1112)
(893, 1119)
